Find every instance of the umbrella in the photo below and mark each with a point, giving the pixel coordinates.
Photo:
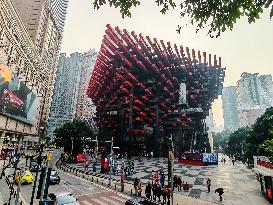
(219, 190)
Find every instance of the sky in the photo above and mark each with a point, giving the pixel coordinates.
(247, 48)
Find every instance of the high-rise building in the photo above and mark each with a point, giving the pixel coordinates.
(85, 107)
(69, 98)
(230, 108)
(255, 94)
(210, 122)
(22, 79)
(59, 9)
(44, 21)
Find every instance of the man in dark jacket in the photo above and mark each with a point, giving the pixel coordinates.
(148, 190)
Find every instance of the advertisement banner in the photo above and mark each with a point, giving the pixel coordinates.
(16, 99)
(210, 158)
(183, 94)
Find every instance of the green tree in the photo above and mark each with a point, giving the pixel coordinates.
(220, 15)
(220, 140)
(267, 147)
(262, 131)
(236, 143)
(76, 130)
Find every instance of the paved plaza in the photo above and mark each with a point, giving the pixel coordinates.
(239, 182)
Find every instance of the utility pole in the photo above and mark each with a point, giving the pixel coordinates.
(48, 157)
(18, 188)
(39, 160)
(171, 159)
(111, 153)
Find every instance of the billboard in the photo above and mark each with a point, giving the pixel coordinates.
(210, 157)
(16, 99)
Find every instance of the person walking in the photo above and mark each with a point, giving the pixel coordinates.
(136, 185)
(162, 178)
(139, 188)
(208, 184)
(158, 191)
(148, 190)
(174, 181)
(233, 161)
(154, 189)
(220, 191)
(179, 183)
(122, 181)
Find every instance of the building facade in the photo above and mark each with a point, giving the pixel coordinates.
(230, 108)
(22, 79)
(255, 94)
(69, 96)
(145, 91)
(44, 21)
(85, 108)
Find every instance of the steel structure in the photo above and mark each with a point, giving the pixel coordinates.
(136, 87)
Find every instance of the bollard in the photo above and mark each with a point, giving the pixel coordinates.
(131, 192)
(102, 183)
(83, 176)
(92, 179)
(76, 172)
(115, 187)
(97, 181)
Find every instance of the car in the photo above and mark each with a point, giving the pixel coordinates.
(141, 201)
(63, 198)
(54, 178)
(24, 177)
(81, 157)
(34, 166)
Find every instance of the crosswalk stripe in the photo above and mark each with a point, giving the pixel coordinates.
(118, 198)
(111, 201)
(100, 202)
(86, 202)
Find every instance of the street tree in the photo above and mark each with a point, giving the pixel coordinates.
(220, 140)
(262, 131)
(236, 142)
(73, 133)
(219, 15)
(267, 147)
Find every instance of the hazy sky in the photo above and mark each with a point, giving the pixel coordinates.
(248, 48)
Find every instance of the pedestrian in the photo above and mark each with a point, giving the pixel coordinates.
(164, 194)
(158, 191)
(220, 192)
(208, 184)
(148, 190)
(86, 165)
(179, 183)
(174, 181)
(139, 188)
(136, 185)
(224, 160)
(168, 193)
(233, 161)
(162, 178)
(154, 189)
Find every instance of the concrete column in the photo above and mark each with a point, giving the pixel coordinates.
(3, 134)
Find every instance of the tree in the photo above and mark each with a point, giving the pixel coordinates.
(236, 143)
(77, 131)
(220, 15)
(262, 131)
(220, 140)
(267, 147)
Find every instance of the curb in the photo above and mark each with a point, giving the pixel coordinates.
(85, 179)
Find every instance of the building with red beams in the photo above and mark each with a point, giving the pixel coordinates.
(146, 90)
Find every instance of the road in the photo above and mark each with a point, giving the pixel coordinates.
(87, 193)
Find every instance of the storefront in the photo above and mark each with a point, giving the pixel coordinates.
(264, 174)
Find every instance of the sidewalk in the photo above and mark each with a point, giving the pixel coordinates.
(128, 187)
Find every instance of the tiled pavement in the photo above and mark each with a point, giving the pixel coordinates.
(239, 183)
